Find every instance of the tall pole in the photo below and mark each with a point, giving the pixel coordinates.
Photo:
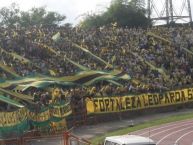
(189, 10)
(168, 14)
(167, 11)
(171, 11)
(149, 9)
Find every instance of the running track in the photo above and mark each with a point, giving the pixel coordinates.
(175, 133)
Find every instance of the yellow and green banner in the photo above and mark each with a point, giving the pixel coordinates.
(135, 102)
(10, 101)
(8, 70)
(83, 78)
(22, 119)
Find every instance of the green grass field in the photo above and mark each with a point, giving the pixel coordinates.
(98, 139)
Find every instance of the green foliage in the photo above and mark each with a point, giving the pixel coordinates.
(39, 16)
(124, 12)
(94, 21)
(11, 16)
(25, 19)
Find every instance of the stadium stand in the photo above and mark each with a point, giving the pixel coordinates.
(157, 59)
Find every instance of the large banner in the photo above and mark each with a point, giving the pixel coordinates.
(22, 119)
(13, 118)
(83, 78)
(142, 101)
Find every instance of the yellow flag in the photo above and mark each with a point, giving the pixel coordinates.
(113, 59)
(52, 72)
(114, 25)
(56, 37)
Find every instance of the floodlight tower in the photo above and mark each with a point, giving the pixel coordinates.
(168, 13)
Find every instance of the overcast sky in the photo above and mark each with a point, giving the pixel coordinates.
(73, 9)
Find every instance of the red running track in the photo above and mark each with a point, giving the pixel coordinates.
(175, 133)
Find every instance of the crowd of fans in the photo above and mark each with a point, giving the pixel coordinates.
(172, 54)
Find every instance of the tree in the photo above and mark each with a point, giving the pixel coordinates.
(68, 25)
(11, 16)
(93, 21)
(129, 13)
(139, 4)
(25, 19)
(39, 16)
(53, 18)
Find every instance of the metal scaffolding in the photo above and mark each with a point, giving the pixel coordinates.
(168, 13)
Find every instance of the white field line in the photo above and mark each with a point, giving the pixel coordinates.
(170, 129)
(183, 136)
(172, 134)
(165, 126)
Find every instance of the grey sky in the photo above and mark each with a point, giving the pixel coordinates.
(73, 9)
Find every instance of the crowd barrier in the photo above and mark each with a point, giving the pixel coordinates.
(65, 138)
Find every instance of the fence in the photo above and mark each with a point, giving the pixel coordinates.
(33, 138)
(11, 141)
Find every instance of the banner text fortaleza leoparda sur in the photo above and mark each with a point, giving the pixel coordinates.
(142, 101)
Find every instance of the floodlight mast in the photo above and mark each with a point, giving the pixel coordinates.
(167, 11)
(169, 14)
(171, 11)
(189, 10)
